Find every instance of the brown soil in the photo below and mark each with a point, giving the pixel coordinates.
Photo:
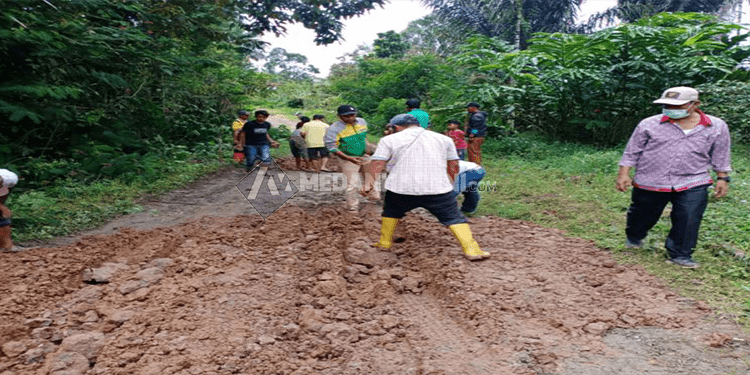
(198, 283)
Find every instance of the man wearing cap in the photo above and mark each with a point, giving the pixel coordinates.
(671, 153)
(412, 106)
(423, 166)
(347, 139)
(8, 180)
(237, 125)
(476, 129)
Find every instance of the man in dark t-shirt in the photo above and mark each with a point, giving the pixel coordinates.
(256, 140)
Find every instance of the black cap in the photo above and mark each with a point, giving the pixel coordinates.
(403, 120)
(472, 104)
(346, 110)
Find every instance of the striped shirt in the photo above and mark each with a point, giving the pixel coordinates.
(666, 159)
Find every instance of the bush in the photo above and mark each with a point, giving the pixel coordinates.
(595, 88)
(731, 102)
(387, 108)
(295, 103)
(281, 132)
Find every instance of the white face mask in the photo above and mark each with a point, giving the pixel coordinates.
(676, 114)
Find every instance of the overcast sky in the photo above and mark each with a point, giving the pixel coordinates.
(396, 16)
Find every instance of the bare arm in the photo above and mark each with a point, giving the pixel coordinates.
(623, 179)
(452, 169)
(273, 143)
(237, 137)
(722, 187)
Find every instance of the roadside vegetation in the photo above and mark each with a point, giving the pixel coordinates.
(100, 111)
(571, 187)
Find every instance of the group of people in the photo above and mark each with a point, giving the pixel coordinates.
(468, 142)
(306, 143)
(671, 153)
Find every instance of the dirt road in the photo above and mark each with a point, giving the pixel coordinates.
(198, 283)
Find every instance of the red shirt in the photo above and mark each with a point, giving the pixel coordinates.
(458, 138)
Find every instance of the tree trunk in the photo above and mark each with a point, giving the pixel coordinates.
(519, 23)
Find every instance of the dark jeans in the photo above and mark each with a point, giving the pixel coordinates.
(688, 207)
(443, 206)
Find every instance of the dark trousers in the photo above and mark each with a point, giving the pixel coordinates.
(688, 207)
(443, 206)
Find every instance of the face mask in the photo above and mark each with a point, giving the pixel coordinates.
(676, 114)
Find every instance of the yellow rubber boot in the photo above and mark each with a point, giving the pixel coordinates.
(386, 232)
(471, 247)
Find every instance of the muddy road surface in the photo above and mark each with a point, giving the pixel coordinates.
(199, 283)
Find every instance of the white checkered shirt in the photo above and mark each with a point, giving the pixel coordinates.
(419, 158)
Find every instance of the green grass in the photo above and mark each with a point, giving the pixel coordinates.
(571, 187)
(69, 205)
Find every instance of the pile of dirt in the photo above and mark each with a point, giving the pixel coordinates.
(304, 292)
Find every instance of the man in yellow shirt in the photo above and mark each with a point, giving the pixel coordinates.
(314, 132)
(237, 125)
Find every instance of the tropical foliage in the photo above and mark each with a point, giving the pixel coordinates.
(511, 20)
(289, 66)
(100, 84)
(592, 88)
(371, 80)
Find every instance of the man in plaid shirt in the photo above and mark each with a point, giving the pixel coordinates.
(671, 153)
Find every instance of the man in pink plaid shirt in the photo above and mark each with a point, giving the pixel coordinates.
(671, 153)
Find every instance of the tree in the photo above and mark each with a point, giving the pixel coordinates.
(651, 7)
(290, 66)
(633, 10)
(512, 20)
(430, 35)
(592, 88)
(390, 44)
(260, 17)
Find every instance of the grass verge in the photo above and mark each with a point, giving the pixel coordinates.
(571, 187)
(69, 205)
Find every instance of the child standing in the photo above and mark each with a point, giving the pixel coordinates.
(298, 147)
(458, 138)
